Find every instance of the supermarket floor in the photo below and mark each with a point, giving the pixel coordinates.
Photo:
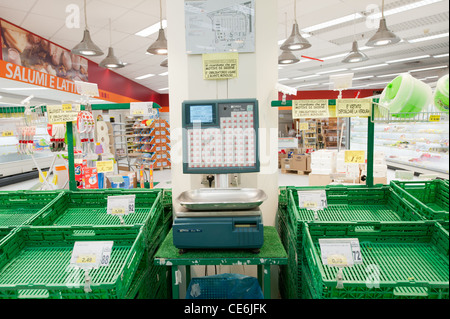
(164, 180)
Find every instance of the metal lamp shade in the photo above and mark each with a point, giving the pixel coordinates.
(111, 61)
(287, 57)
(87, 47)
(355, 55)
(383, 36)
(165, 63)
(159, 47)
(295, 42)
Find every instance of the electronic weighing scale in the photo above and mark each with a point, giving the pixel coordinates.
(220, 138)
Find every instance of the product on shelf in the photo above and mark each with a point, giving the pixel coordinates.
(406, 95)
(441, 94)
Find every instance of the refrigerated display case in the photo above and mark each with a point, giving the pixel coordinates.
(422, 147)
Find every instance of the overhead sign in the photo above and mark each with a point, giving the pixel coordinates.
(353, 107)
(302, 109)
(60, 114)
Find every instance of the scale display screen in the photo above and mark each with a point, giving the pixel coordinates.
(220, 136)
(202, 114)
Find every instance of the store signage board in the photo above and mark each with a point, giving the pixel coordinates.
(315, 200)
(220, 26)
(302, 109)
(105, 166)
(220, 66)
(342, 81)
(60, 114)
(91, 254)
(121, 205)
(353, 107)
(87, 89)
(339, 252)
(355, 157)
(142, 109)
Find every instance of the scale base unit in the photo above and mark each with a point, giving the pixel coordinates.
(219, 230)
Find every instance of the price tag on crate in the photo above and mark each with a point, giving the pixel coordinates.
(315, 200)
(341, 253)
(91, 255)
(121, 205)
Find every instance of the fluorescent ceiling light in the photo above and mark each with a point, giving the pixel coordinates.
(334, 71)
(428, 69)
(370, 66)
(432, 37)
(144, 76)
(306, 85)
(24, 89)
(404, 8)
(331, 23)
(164, 89)
(363, 77)
(152, 29)
(164, 74)
(334, 56)
(441, 55)
(388, 75)
(307, 77)
(409, 59)
(284, 79)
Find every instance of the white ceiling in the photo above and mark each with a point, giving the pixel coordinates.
(47, 19)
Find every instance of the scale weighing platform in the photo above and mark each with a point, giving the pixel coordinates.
(220, 137)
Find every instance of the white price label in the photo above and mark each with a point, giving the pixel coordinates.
(315, 200)
(121, 205)
(91, 255)
(340, 252)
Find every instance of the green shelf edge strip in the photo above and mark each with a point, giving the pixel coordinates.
(95, 107)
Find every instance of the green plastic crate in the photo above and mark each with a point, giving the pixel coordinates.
(352, 204)
(19, 207)
(88, 208)
(430, 198)
(400, 260)
(35, 262)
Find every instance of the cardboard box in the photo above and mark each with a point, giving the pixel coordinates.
(286, 164)
(308, 163)
(299, 162)
(319, 180)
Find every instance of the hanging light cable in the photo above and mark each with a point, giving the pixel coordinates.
(287, 57)
(159, 47)
(87, 47)
(355, 55)
(111, 61)
(383, 36)
(295, 42)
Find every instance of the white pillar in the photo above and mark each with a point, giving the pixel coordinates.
(258, 75)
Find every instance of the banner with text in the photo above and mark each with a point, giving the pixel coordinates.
(353, 107)
(220, 66)
(302, 109)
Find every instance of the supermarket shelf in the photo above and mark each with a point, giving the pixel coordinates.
(382, 115)
(417, 169)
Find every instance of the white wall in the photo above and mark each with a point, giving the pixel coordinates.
(258, 75)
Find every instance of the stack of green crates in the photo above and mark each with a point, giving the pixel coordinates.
(401, 260)
(46, 240)
(345, 204)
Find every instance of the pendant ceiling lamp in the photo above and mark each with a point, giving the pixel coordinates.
(111, 61)
(383, 36)
(295, 42)
(87, 47)
(355, 55)
(165, 63)
(287, 57)
(159, 47)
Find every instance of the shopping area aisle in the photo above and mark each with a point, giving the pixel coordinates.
(164, 180)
